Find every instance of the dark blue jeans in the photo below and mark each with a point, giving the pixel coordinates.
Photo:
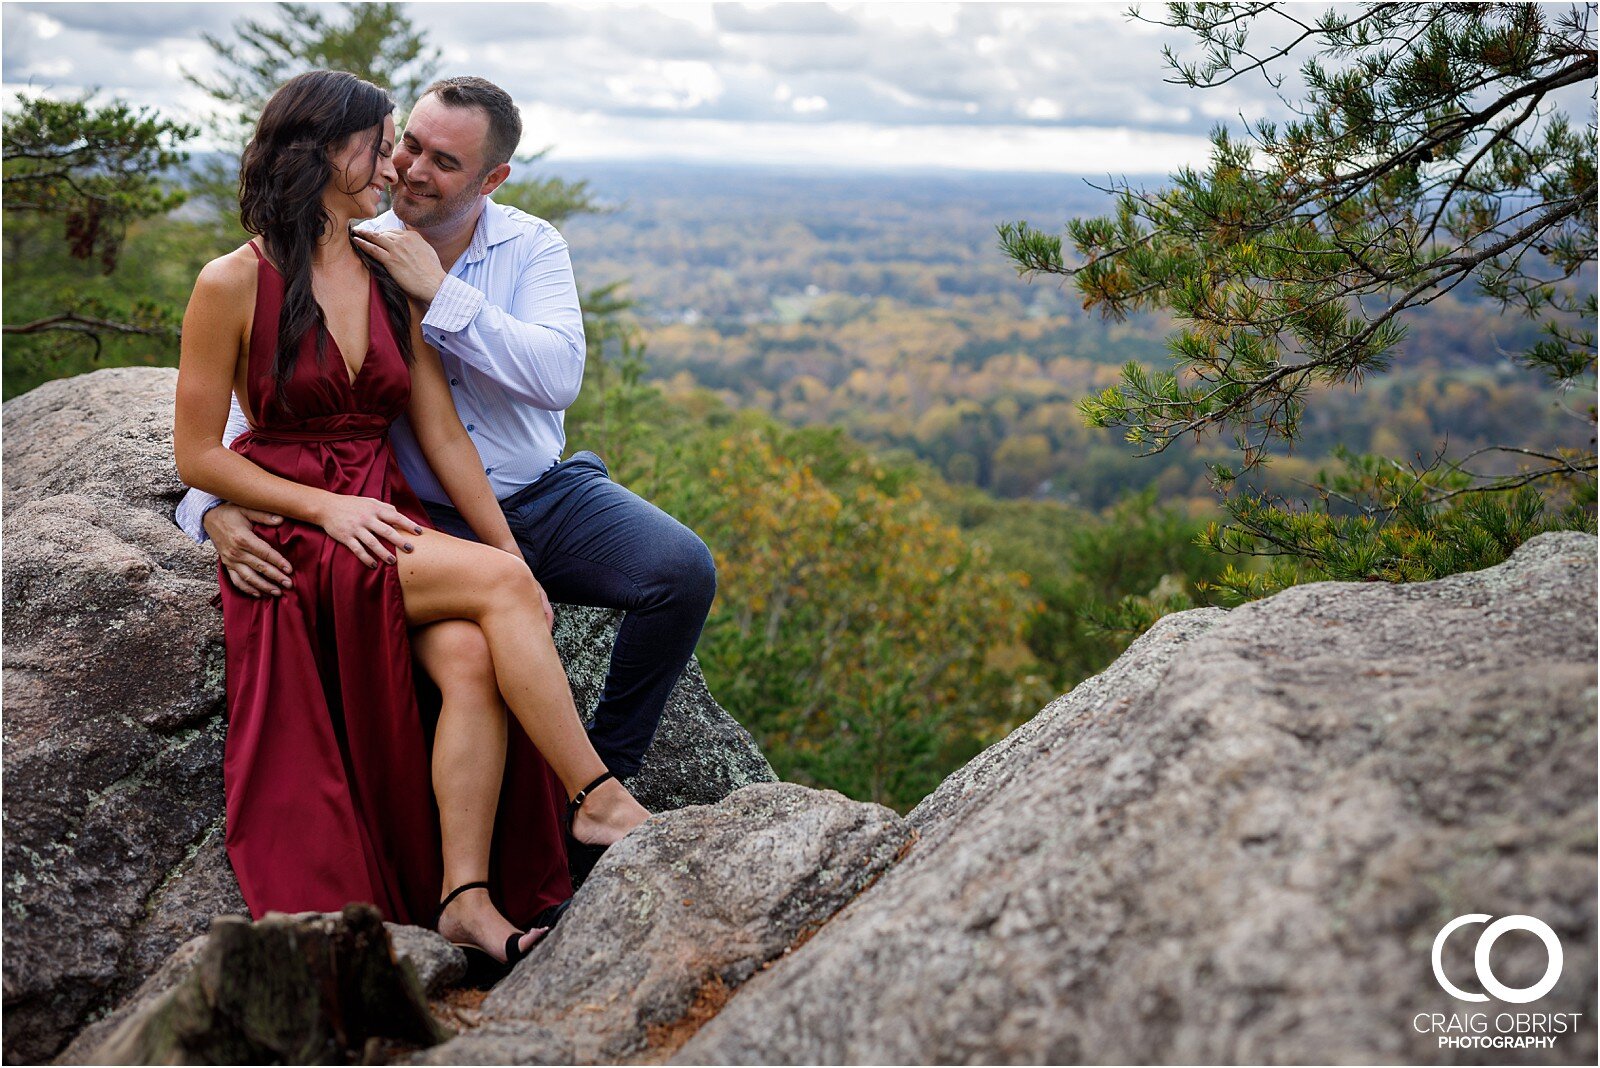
(589, 541)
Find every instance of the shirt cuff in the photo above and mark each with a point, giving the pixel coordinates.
(191, 514)
(454, 306)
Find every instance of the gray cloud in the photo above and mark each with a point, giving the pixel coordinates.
(144, 22)
(499, 22)
(16, 43)
(784, 18)
(995, 64)
(1025, 65)
(654, 34)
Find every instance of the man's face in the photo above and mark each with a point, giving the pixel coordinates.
(441, 159)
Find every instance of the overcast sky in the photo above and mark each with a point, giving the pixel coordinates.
(1073, 88)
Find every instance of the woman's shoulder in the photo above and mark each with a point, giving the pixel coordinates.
(231, 274)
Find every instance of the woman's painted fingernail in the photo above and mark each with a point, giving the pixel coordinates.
(407, 547)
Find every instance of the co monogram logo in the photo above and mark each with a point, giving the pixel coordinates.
(1480, 958)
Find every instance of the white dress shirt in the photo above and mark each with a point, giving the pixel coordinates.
(509, 331)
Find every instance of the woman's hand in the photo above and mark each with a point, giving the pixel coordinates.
(363, 524)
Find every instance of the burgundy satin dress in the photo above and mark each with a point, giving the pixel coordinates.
(326, 772)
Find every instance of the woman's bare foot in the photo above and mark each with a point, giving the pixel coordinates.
(472, 918)
(607, 814)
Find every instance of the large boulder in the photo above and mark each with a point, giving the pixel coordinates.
(113, 684)
(1244, 854)
(674, 919)
(114, 696)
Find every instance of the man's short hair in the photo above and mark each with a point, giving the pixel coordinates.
(505, 121)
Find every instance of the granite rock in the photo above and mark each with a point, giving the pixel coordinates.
(1243, 855)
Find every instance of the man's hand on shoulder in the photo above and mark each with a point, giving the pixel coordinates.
(253, 566)
(410, 260)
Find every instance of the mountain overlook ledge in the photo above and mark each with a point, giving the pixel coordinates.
(1237, 843)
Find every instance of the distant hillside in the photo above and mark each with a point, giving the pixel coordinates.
(880, 303)
(747, 243)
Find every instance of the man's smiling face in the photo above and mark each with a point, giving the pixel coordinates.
(442, 161)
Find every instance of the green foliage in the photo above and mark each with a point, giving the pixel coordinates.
(76, 177)
(94, 168)
(866, 643)
(1379, 519)
(611, 405)
(1099, 579)
(1431, 156)
(874, 626)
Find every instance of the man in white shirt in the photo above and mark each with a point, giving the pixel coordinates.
(506, 321)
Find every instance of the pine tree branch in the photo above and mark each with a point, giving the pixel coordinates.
(1502, 134)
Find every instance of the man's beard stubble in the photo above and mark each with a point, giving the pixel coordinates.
(425, 213)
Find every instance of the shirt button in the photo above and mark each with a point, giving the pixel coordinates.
(455, 381)
(488, 470)
(470, 427)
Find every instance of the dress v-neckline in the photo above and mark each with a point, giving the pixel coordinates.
(366, 358)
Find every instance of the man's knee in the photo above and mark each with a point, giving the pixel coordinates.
(685, 569)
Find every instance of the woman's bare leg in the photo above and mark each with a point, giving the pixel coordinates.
(469, 757)
(448, 578)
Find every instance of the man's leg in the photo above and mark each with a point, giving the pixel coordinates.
(590, 541)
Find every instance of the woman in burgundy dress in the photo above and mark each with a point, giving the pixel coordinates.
(327, 765)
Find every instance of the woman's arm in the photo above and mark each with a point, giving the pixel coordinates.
(213, 329)
(449, 451)
(452, 455)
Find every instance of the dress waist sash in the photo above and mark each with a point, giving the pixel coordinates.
(287, 436)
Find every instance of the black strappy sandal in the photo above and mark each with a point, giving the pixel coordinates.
(482, 969)
(582, 856)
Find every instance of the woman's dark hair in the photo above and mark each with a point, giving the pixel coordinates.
(282, 175)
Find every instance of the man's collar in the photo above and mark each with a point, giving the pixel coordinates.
(494, 226)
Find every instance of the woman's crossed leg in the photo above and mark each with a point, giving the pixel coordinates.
(445, 578)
